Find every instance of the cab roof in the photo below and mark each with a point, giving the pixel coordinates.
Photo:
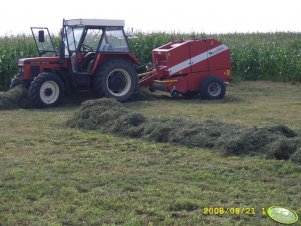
(94, 22)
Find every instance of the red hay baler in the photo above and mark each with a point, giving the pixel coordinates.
(190, 67)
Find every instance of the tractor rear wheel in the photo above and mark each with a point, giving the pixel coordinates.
(116, 79)
(46, 90)
(212, 88)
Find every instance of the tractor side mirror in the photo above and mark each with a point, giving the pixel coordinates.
(41, 36)
(62, 47)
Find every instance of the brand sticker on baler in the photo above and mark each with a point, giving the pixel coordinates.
(217, 50)
(197, 59)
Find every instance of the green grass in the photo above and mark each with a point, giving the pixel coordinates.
(53, 175)
(245, 103)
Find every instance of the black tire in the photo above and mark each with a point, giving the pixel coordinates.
(212, 88)
(175, 94)
(15, 81)
(189, 95)
(46, 90)
(116, 79)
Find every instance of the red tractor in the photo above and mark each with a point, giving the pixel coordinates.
(190, 67)
(94, 55)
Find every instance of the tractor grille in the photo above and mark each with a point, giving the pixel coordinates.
(34, 71)
(20, 71)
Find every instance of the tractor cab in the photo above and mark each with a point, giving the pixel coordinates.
(81, 40)
(85, 39)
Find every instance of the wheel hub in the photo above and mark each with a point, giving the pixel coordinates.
(214, 89)
(117, 82)
(48, 92)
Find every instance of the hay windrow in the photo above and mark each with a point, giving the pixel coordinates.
(144, 94)
(109, 116)
(296, 157)
(17, 97)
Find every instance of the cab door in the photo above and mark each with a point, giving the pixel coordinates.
(43, 41)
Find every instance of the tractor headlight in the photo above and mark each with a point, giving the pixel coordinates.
(20, 71)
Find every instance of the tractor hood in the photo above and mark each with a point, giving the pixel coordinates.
(32, 67)
(39, 60)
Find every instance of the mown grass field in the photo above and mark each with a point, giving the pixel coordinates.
(53, 175)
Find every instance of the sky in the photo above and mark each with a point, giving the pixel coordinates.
(210, 16)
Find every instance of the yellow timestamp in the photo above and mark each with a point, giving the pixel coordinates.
(233, 210)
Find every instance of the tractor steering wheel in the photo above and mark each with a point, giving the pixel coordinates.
(87, 48)
(87, 59)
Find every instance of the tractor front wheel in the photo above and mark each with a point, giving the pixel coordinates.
(46, 90)
(212, 88)
(116, 79)
(15, 81)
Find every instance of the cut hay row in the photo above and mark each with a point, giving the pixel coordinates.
(17, 97)
(109, 116)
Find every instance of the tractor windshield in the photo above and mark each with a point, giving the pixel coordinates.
(92, 39)
(114, 40)
(73, 37)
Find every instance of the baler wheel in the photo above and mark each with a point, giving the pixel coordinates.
(212, 88)
(175, 93)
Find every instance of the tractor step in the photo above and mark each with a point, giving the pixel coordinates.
(81, 82)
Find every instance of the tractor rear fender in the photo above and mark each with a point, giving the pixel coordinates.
(101, 58)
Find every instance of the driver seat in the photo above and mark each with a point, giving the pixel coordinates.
(87, 62)
(74, 65)
(73, 59)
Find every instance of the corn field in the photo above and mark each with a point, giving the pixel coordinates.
(255, 56)
(11, 49)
